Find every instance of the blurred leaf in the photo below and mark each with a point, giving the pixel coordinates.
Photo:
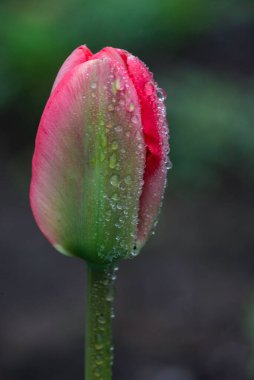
(212, 129)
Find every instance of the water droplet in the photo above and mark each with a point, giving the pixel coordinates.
(110, 296)
(97, 372)
(101, 319)
(99, 343)
(111, 107)
(149, 88)
(130, 107)
(99, 346)
(128, 180)
(114, 145)
(119, 84)
(99, 360)
(134, 119)
(114, 180)
(112, 161)
(118, 128)
(134, 252)
(115, 197)
(169, 165)
(93, 85)
(162, 95)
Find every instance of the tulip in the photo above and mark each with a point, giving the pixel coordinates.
(99, 166)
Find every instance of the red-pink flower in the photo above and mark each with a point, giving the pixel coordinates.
(100, 161)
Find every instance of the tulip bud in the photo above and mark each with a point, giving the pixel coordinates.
(100, 159)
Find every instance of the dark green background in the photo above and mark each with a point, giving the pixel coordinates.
(184, 307)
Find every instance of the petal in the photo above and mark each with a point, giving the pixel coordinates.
(78, 56)
(89, 162)
(155, 131)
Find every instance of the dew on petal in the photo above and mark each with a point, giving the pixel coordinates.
(119, 128)
(134, 119)
(119, 84)
(112, 161)
(111, 107)
(149, 88)
(130, 107)
(128, 180)
(114, 180)
(114, 145)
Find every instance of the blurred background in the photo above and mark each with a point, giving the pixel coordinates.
(185, 306)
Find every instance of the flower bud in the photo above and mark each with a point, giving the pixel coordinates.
(100, 159)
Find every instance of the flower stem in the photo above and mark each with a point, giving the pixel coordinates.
(98, 348)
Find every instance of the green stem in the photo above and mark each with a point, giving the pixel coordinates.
(99, 350)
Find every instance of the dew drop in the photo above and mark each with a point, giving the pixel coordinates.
(114, 180)
(99, 360)
(99, 346)
(130, 107)
(169, 165)
(134, 252)
(119, 85)
(97, 372)
(110, 296)
(115, 197)
(112, 162)
(118, 128)
(111, 107)
(162, 95)
(101, 319)
(134, 119)
(93, 85)
(127, 180)
(149, 88)
(114, 145)
(99, 343)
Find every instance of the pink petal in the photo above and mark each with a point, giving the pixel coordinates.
(78, 56)
(155, 131)
(88, 163)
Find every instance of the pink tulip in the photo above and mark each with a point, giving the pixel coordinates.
(100, 161)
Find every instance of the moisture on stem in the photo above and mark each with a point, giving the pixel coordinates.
(99, 312)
